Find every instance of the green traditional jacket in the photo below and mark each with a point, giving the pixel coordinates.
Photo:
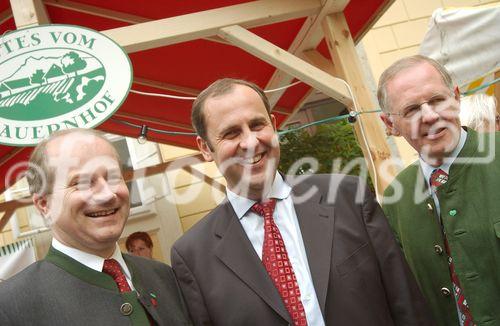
(470, 213)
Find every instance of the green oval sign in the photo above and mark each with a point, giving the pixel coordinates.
(55, 77)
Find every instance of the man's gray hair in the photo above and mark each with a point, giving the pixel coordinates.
(403, 64)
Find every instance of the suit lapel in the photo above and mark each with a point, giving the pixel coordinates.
(144, 292)
(238, 254)
(316, 222)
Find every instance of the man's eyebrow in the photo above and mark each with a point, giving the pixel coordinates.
(78, 176)
(228, 129)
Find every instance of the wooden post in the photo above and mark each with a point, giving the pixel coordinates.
(497, 90)
(369, 131)
(5, 219)
(29, 13)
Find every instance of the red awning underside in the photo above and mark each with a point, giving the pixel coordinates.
(191, 65)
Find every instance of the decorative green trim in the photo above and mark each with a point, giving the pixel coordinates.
(81, 271)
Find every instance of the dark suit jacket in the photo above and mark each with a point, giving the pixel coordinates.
(358, 271)
(61, 291)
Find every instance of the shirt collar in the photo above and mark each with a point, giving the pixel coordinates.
(279, 190)
(91, 261)
(447, 162)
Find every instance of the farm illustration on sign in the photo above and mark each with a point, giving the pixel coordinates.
(58, 77)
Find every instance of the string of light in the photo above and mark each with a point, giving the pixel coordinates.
(351, 117)
(192, 98)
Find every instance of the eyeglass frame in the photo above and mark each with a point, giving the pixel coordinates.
(418, 107)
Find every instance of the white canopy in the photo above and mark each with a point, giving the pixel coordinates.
(465, 40)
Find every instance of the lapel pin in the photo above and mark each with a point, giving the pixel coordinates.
(154, 302)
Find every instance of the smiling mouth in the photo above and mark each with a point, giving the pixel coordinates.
(436, 133)
(253, 160)
(102, 213)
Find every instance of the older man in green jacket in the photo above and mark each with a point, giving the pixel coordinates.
(444, 208)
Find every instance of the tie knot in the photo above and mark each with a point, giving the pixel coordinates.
(438, 178)
(112, 268)
(265, 209)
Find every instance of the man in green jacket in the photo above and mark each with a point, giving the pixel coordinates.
(444, 208)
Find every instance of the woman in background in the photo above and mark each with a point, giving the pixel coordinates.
(140, 244)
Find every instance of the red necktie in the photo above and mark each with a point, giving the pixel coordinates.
(438, 178)
(113, 268)
(278, 266)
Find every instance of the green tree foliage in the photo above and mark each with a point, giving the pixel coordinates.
(331, 142)
(72, 62)
(37, 77)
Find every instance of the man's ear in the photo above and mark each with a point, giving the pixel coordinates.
(273, 121)
(456, 91)
(204, 149)
(389, 125)
(41, 203)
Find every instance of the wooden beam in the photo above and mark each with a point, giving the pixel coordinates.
(373, 19)
(5, 218)
(205, 178)
(207, 23)
(286, 61)
(5, 15)
(217, 39)
(497, 90)
(109, 14)
(162, 167)
(281, 110)
(96, 11)
(347, 65)
(319, 61)
(309, 36)
(166, 86)
(29, 13)
(10, 155)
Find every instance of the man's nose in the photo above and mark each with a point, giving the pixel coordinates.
(249, 140)
(429, 113)
(103, 193)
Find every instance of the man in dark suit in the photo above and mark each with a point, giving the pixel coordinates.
(273, 254)
(77, 186)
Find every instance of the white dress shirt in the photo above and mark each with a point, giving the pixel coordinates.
(447, 162)
(286, 220)
(92, 261)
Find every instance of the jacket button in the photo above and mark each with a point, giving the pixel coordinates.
(429, 207)
(438, 249)
(445, 292)
(453, 212)
(126, 309)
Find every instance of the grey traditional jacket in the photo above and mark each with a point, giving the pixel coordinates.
(61, 291)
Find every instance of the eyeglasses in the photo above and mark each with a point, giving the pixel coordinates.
(437, 103)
